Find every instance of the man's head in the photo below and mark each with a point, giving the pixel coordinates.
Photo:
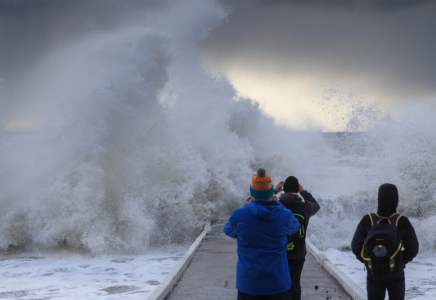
(387, 199)
(261, 186)
(291, 185)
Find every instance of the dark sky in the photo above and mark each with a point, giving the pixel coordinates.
(282, 54)
(30, 28)
(386, 47)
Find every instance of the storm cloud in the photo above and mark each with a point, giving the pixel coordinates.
(284, 54)
(29, 29)
(386, 48)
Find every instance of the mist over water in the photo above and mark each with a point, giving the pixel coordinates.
(400, 151)
(131, 144)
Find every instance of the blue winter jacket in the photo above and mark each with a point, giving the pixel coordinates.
(261, 228)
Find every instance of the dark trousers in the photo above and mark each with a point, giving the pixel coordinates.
(377, 289)
(295, 269)
(280, 296)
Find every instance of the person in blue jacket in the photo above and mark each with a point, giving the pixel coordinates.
(261, 228)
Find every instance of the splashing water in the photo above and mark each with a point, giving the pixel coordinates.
(399, 151)
(133, 145)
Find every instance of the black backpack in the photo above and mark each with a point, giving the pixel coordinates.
(382, 245)
(295, 239)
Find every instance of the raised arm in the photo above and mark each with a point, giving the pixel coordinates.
(311, 204)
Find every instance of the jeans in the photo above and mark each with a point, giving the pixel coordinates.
(377, 289)
(281, 296)
(295, 269)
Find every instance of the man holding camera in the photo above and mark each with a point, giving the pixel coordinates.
(303, 208)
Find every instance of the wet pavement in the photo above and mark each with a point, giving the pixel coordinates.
(212, 273)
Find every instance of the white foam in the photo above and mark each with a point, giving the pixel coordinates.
(131, 145)
(72, 276)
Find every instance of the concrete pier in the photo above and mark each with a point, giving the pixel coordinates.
(212, 273)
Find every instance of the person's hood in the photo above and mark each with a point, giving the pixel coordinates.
(291, 200)
(387, 199)
(265, 209)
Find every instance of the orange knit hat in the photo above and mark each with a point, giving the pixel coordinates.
(261, 185)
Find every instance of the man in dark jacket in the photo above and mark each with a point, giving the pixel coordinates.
(394, 282)
(304, 209)
(261, 227)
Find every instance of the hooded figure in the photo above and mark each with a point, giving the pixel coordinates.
(261, 228)
(387, 210)
(387, 199)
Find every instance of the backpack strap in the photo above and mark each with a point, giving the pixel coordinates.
(392, 219)
(398, 219)
(362, 254)
(395, 219)
(398, 249)
(295, 239)
(375, 219)
(301, 230)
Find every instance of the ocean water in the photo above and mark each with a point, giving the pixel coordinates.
(118, 144)
(65, 275)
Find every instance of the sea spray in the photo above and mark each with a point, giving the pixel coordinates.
(107, 165)
(128, 144)
(397, 150)
(132, 145)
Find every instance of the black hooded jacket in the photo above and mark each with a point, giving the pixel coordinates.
(308, 208)
(387, 206)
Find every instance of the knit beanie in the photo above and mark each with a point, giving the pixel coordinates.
(261, 185)
(291, 185)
